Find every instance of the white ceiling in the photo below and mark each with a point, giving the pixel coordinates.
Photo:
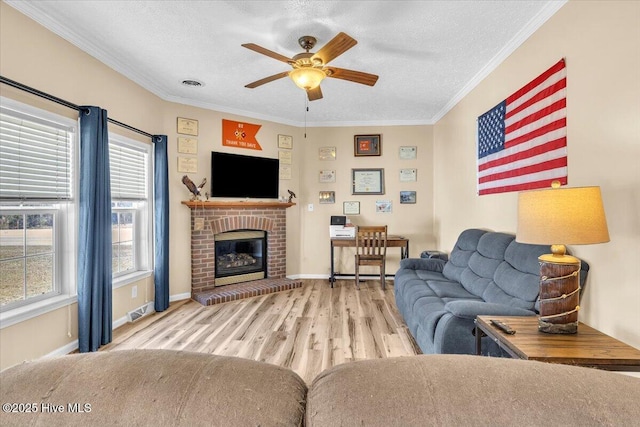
(428, 54)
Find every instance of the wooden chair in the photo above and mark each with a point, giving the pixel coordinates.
(371, 249)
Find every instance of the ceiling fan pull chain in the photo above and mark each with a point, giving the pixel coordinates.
(306, 110)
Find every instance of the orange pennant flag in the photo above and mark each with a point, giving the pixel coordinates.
(241, 135)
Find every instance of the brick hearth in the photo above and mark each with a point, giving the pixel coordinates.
(245, 290)
(220, 217)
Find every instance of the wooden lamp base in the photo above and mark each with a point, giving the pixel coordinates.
(559, 294)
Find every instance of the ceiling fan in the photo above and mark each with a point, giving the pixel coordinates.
(309, 69)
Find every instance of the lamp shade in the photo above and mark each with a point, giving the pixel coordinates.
(307, 78)
(572, 216)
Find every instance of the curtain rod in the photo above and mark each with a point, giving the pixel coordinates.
(67, 104)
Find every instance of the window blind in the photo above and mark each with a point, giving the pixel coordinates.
(35, 158)
(128, 168)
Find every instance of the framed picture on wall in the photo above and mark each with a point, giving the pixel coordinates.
(367, 145)
(407, 197)
(351, 208)
(367, 181)
(327, 197)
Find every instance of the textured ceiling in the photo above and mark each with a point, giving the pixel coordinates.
(428, 54)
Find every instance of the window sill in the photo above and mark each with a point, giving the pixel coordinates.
(29, 311)
(127, 279)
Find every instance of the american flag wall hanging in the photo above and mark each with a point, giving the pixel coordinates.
(522, 141)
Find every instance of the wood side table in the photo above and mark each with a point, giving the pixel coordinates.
(589, 347)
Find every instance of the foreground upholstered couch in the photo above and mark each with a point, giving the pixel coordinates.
(487, 273)
(172, 388)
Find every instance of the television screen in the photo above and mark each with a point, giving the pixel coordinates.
(234, 175)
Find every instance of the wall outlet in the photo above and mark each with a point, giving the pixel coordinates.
(310, 207)
(134, 291)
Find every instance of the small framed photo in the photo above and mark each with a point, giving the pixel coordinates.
(408, 175)
(383, 206)
(351, 208)
(408, 153)
(367, 181)
(327, 153)
(327, 197)
(327, 176)
(367, 145)
(407, 197)
(285, 141)
(187, 126)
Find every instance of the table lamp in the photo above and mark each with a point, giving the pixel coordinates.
(560, 216)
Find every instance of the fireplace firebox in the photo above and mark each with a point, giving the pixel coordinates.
(240, 256)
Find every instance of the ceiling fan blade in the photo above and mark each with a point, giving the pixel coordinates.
(314, 94)
(353, 76)
(336, 47)
(267, 80)
(267, 52)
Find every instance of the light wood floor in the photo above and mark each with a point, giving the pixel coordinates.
(307, 329)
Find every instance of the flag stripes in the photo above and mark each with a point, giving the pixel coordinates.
(522, 141)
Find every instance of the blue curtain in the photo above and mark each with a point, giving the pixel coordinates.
(161, 221)
(94, 235)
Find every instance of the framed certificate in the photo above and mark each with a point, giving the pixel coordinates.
(408, 153)
(327, 153)
(351, 208)
(408, 175)
(285, 157)
(367, 181)
(285, 141)
(327, 176)
(285, 172)
(187, 145)
(188, 164)
(187, 126)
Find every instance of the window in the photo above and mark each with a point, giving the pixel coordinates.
(37, 236)
(130, 169)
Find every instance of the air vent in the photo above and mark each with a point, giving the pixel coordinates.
(139, 312)
(192, 83)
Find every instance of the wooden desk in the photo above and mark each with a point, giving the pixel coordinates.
(589, 347)
(346, 242)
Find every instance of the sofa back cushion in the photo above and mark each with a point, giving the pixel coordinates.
(484, 262)
(516, 281)
(459, 258)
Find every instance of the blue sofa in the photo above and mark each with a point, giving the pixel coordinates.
(487, 273)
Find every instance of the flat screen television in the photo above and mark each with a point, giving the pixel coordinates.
(235, 175)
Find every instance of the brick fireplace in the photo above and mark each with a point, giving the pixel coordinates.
(212, 218)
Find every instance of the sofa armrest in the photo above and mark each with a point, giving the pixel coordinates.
(429, 264)
(471, 309)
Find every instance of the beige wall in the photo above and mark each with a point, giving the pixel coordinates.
(413, 221)
(210, 139)
(36, 57)
(599, 41)
(601, 44)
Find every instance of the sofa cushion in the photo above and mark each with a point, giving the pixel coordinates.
(460, 390)
(517, 278)
(484, 262)
(155, 387)
(459, 259)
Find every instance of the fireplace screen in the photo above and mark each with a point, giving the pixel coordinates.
(240, 252)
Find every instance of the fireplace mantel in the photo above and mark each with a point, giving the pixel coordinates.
(197, 204)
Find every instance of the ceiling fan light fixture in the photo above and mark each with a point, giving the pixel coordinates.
(307, 78)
